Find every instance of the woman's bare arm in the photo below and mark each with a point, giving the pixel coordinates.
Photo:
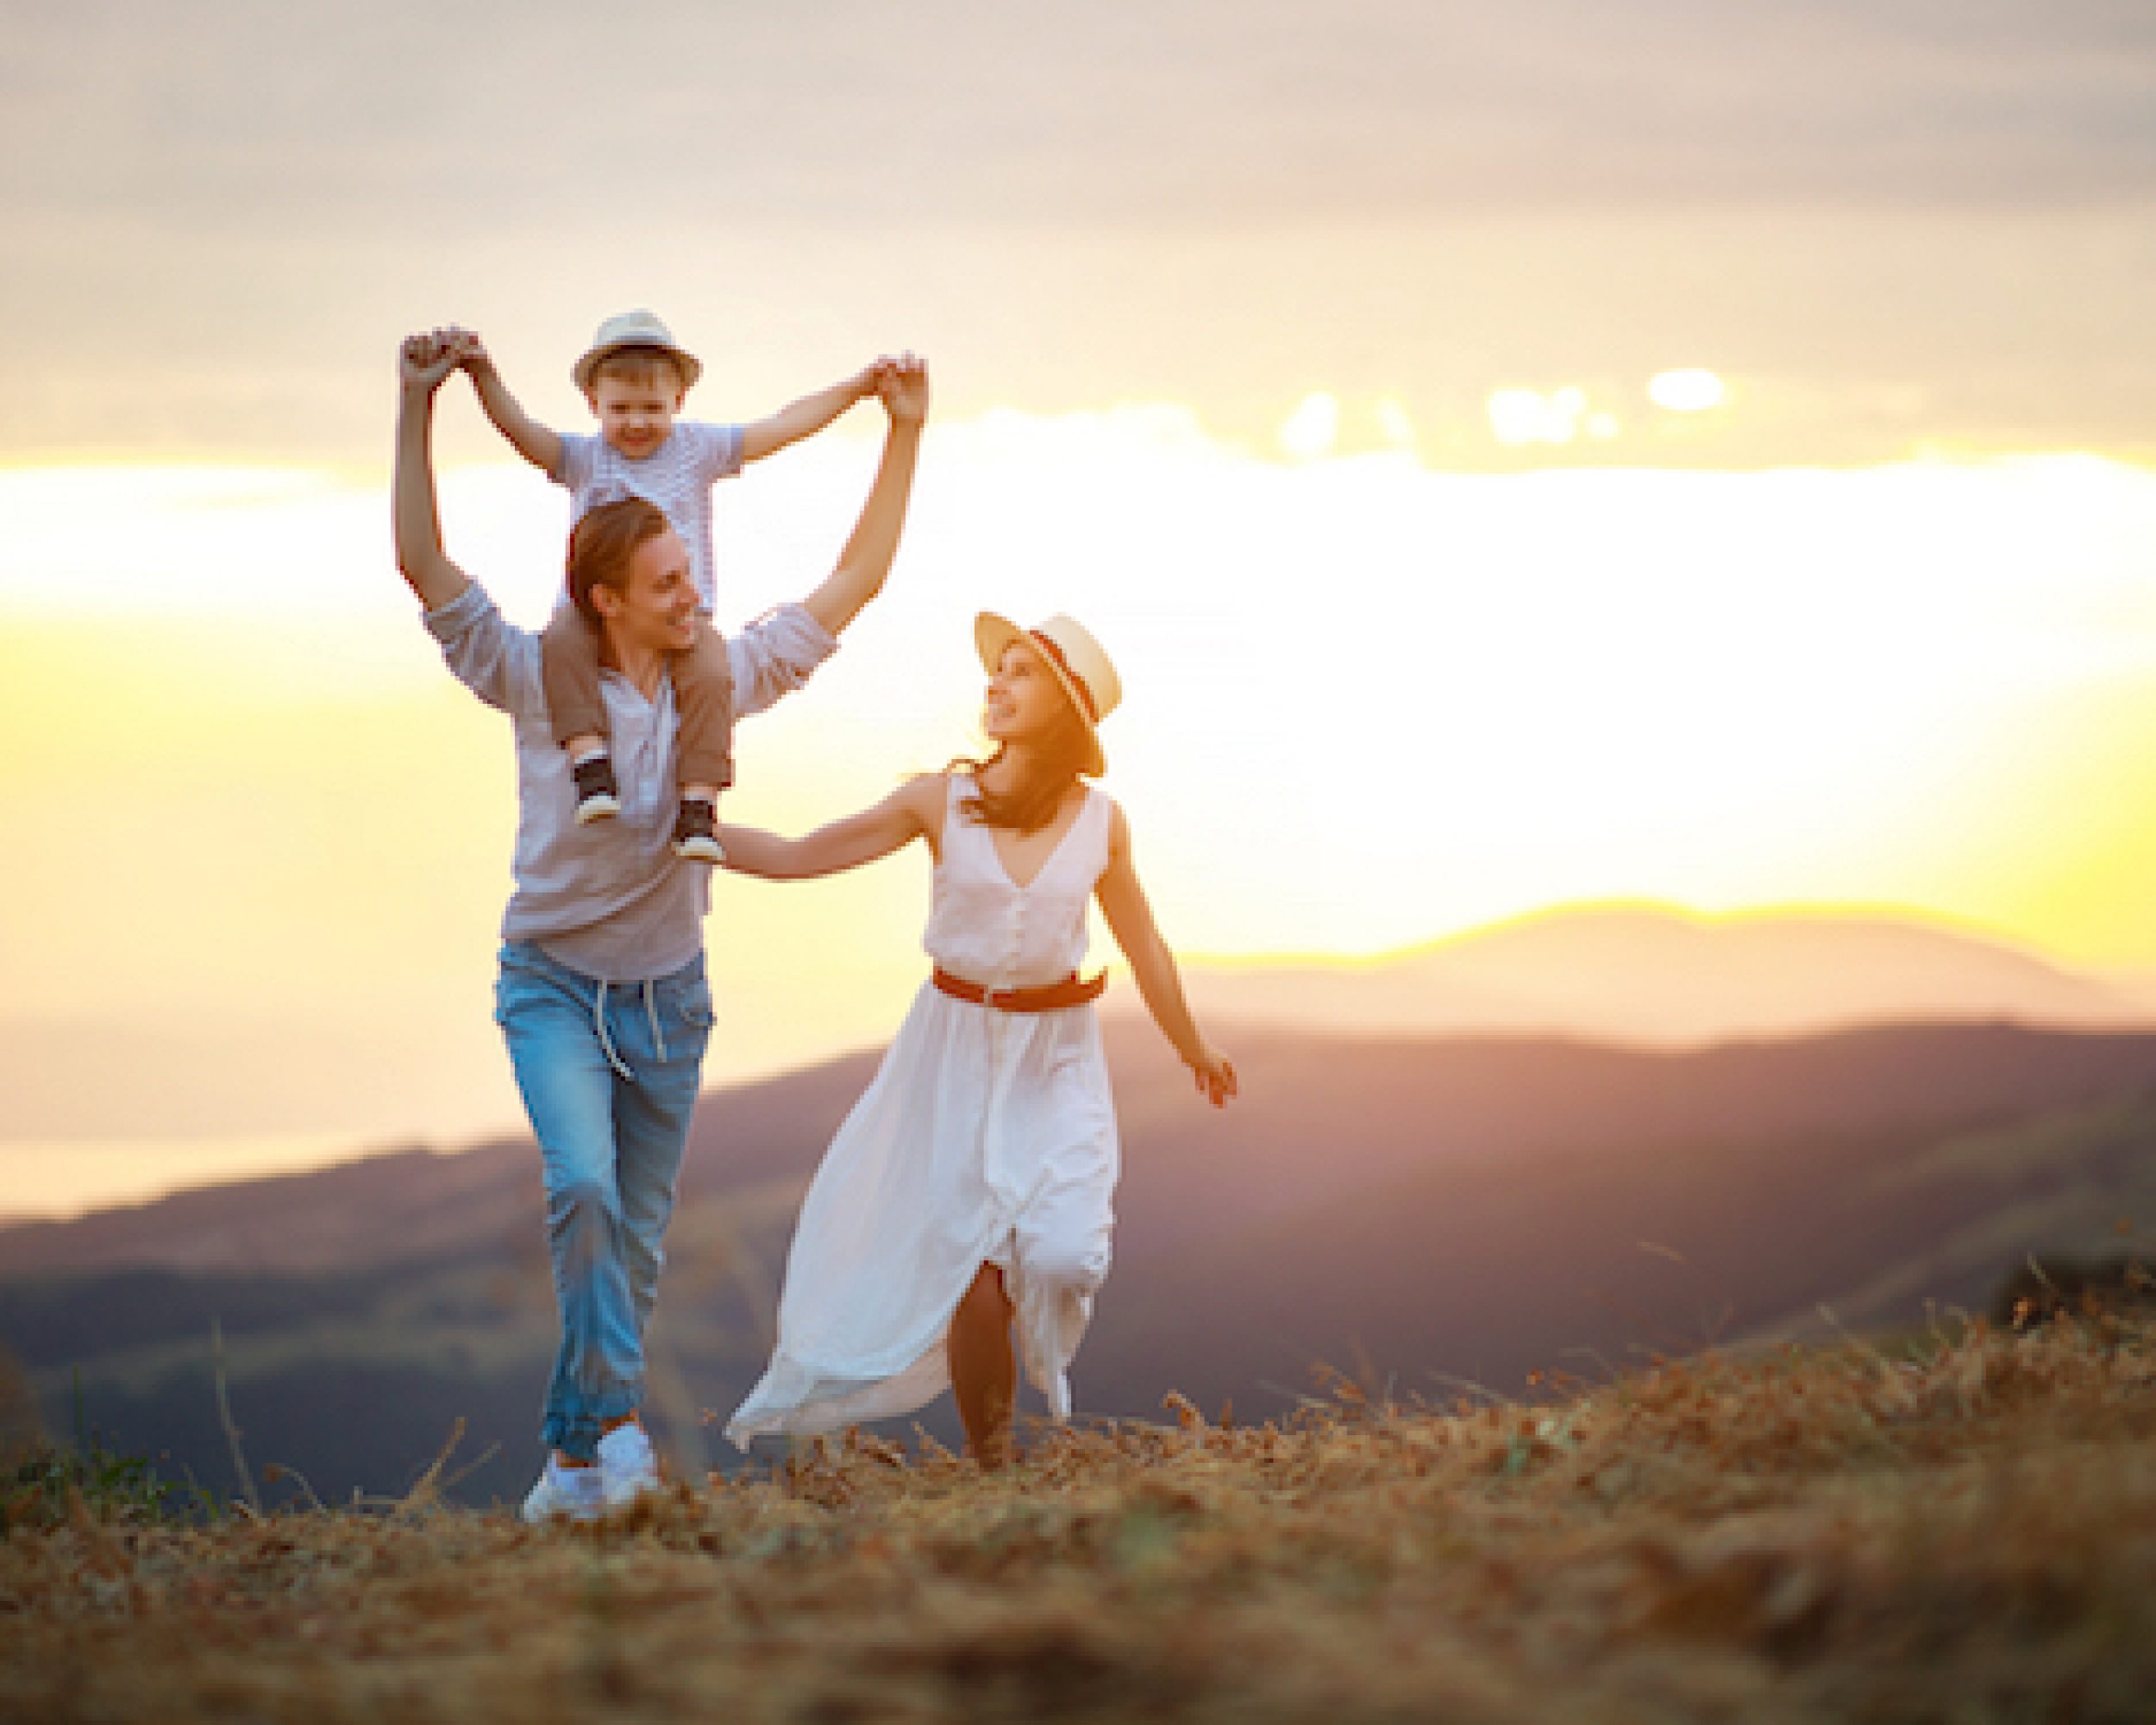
(1130, 918)
(913, 811)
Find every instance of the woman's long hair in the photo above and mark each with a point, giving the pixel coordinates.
(1054, 764)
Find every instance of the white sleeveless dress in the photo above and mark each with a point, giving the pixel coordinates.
(986, 1137)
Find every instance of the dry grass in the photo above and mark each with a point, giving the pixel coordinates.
(1966, 1534)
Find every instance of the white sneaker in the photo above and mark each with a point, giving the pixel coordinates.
(627, 1467)
(573, 1492)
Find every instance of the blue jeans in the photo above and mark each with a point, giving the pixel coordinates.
(609, 1073)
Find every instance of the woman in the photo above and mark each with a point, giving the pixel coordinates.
(968, 1194)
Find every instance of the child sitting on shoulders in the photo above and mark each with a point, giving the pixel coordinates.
(635, 377)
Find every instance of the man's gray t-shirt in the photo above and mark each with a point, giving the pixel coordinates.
(611, 898)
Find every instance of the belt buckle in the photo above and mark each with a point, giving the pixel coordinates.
(994, 997)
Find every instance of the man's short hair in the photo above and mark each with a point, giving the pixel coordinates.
(602, 543)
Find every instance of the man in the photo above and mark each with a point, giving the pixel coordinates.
(601, 996)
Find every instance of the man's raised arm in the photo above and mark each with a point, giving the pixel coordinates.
(422, 363)
(875, 541)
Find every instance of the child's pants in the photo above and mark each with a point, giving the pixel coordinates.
(609, 1073)
(703, 691)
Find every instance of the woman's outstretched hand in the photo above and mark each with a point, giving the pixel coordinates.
(1215, 1073)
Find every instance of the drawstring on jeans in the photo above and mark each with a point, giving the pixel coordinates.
(606, 1042)
(651, 1011)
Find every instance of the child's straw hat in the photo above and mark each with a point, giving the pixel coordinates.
(1079, 665)
(634, 330)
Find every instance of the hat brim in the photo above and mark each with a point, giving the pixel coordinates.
(687, 363)
(992, 634)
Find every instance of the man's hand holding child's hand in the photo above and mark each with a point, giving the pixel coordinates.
(472, 355)
(425, 360)
(903, 384)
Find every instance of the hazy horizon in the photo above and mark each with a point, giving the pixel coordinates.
(1387, 996)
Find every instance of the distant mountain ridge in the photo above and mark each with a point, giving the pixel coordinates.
(1414, 1210)
(1652, 975)
(1636, 976)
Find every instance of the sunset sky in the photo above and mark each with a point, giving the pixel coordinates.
(1516, 455)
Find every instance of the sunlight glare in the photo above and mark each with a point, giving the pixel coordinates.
(1688, 390)
(1367, 703)
(1521, 416)
(1311, 430)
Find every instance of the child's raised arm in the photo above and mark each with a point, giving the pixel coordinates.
(531, 439)
(913, 811)
(1131, 921)
(808, 415)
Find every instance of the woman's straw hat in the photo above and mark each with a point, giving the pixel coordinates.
(634, 330)
(1079, 665)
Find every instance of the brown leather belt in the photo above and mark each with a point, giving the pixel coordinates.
(1049, 997)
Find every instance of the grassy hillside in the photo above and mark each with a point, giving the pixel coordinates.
(1965, 1532)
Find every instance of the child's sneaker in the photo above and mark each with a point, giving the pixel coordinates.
(598, 798)
(627, 1466)
(577, 1494)
(696, 833)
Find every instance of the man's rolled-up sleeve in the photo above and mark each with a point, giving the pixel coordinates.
(775, 655)
(487, 653)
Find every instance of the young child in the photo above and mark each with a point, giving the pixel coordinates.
(970, 1188)
(635, 376)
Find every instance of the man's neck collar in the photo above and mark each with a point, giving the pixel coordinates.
(643, 666)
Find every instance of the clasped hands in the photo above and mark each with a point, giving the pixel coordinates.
(426, 358)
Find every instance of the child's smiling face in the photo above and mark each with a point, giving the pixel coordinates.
(636, 414)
